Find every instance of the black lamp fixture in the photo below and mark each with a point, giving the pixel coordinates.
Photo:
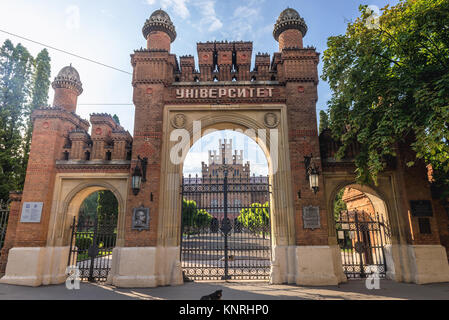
(312, 173)
(139, 174)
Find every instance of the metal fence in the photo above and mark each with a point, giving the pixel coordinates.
(226, 228)
(91, 248)
(4, 215)
(362, 237)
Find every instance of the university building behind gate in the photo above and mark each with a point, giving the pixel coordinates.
(400, 229)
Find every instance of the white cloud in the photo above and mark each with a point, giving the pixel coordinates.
(73, 17)
(179, 7)
(245, 20)
(209, 19)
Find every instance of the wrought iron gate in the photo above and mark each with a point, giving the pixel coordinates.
(91, 247)
(362, 237)
(4, 215)
(225, 226)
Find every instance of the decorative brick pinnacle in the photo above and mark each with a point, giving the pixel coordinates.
(289, 19)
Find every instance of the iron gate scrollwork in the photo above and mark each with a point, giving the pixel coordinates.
(362, 238)
(92, 242)
(225, 229)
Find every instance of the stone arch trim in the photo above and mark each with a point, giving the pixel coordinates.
(216, 117)
(384, 192)
(71, 190)
(236, 121)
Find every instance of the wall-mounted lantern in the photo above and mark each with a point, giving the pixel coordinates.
(312, 173)
(139, 175)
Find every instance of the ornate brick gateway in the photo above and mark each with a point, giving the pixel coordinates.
(176, 104)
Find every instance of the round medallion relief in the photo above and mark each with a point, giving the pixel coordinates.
(179, 121)
(301, 89)
(149, 90)
(271, 120)
(98, 131)
(46, 125)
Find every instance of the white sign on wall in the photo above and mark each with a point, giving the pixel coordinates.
(32, 212)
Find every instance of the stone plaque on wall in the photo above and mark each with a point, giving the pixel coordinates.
(31, 212)
(141, 219)
(311, 217)
(421, 208)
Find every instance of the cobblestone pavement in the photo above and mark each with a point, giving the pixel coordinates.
(353, 290)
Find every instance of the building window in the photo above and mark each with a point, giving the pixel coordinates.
(65, 156)
(87, 156)
(108, 156)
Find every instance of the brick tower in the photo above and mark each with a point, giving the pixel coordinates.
(159, 31)
(154, 70)
(290, 29)
(51, 128)
(68, 87)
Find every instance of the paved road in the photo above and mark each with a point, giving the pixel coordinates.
(353, 290)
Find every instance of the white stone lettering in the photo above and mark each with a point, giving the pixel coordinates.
(232, 93)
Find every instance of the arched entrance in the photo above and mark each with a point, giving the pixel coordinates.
(225, 226)
(369, 244)
(363, 231)
(71, 191)
(94, 236)
(185, 125)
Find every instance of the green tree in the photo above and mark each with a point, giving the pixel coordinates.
(116, 118)
(193, 218)
(40, 88)
(255, 218)
(390, 81)
(107, 207)
(203, 219)
(88, 209)
(15, 83)
(339, 204)
(324, 121)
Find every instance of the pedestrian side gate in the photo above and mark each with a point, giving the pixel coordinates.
(362, 238)
(92, 242)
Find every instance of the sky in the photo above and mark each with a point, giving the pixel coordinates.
(108, 31)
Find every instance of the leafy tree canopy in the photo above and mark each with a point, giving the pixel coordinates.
(390, 81)
(324, 121)
(192, 217)
(255, 218)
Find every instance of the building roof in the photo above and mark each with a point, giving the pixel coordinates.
(68, 78)
(159, 21)
(289, 19)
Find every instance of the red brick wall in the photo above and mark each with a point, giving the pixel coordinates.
(147, 143)
(357, 200)
(65, 98)
(414, 185)
(46, 147)
(290, 39)
(158, 40)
